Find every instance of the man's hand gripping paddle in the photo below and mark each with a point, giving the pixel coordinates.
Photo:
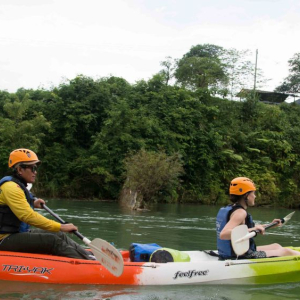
(108, 255)
(105, 253)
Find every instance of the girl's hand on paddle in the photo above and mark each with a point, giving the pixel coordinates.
(261, 229)
(278, 221)
(68, 227)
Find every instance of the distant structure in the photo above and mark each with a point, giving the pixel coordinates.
(265, 96)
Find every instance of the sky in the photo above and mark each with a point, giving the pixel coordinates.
(45, 42)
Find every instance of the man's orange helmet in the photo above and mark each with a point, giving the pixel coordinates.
(25, 156)
(241, 186)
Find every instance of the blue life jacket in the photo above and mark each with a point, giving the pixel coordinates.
(225, 249)
(9, 223)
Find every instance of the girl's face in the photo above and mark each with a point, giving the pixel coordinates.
(251, 198)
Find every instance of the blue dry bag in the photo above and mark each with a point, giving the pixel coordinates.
(142, 252)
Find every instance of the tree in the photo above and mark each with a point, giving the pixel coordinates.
(291, 84)
(201, 67)
(153, 174)
(168, 71)
(239, 70)
(205, 50)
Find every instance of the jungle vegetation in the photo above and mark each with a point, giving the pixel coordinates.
(93, 135)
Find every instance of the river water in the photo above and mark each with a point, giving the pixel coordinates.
(182, 227)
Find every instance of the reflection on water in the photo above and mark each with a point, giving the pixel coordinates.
(27, 291)
(183, 227)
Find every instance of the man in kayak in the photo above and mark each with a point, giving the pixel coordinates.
(242, 194)
(17, 213)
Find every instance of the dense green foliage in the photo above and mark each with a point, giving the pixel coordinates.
(83, 130)
(89, 133)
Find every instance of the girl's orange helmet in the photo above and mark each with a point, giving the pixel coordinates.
(25, 156)
(241, 186)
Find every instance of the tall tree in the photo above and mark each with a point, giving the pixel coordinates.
(291, 83)
(201, 67)
(168, 69)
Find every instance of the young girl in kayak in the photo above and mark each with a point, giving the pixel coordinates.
(242, 194)
(17, 213)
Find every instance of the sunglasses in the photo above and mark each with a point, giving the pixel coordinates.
(33, 168)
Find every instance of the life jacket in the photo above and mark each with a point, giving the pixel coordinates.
(9, 223)
(225, 249)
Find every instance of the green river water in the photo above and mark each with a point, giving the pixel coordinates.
(182, 227)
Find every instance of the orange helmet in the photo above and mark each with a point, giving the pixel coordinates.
(241, 185)
(25, 156)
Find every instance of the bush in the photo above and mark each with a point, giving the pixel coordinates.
(153, 175)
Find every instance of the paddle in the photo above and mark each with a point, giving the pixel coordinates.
(107, 254)
(240, 235)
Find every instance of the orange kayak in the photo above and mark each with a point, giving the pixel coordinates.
(56, 269)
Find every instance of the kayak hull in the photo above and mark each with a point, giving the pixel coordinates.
(202, 269)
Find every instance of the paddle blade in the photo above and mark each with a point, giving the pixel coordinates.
(108, 256)
(287, 218)
(239, 245)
